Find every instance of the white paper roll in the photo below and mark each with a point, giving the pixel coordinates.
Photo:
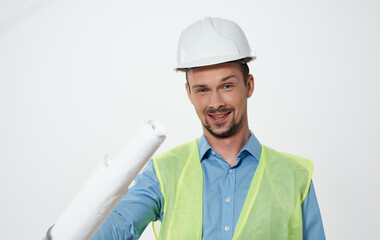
(107, 185)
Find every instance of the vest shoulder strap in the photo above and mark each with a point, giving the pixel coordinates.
(180, 174)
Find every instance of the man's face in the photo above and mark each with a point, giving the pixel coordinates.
(219, 96)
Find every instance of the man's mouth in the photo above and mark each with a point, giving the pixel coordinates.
(219, 116)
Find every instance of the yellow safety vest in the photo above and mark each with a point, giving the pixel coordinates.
(272, 208)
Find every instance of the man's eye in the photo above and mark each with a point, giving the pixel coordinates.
(227, 86)
(202, 90)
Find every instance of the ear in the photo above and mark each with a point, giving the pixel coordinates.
(250, 85)
(188, 92)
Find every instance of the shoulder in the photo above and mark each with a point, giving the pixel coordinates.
(180, 152)
(287, 160)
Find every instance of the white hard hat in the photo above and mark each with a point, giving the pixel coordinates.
(211, 41)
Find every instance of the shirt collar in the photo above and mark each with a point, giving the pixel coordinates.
(252, 147)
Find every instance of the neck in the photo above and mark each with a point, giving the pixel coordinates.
(229, 147)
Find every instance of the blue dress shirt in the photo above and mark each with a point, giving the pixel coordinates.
(225, 190)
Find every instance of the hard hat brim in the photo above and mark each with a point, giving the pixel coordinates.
(211, 62)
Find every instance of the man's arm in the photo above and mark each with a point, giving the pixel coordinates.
(312, 221)
(141, 205)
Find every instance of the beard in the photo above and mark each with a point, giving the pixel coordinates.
(233, 128)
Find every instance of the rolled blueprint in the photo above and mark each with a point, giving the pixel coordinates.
(107, 185)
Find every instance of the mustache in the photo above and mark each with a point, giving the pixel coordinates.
(220, 110)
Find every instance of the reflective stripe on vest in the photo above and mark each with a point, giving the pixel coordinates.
(272, 208)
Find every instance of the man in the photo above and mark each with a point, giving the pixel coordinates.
(224, 185)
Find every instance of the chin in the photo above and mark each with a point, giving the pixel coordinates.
(221, 133)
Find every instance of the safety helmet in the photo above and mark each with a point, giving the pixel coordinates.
(211, 41)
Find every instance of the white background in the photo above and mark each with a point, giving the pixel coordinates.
(78, 77)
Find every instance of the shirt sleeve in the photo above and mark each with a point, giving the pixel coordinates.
(311, 217)
(140, 206)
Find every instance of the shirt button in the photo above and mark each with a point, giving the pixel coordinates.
(226, 228)
(213, 153)
(230, 171)
(228, 199)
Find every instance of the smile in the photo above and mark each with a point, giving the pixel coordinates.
(219, 116)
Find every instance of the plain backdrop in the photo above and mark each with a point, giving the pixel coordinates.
(77, 78)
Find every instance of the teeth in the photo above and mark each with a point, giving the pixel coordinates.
(219, 116)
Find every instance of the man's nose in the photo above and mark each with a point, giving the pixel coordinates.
(216, 100)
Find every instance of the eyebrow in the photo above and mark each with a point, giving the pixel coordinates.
(223, 80)
(199, 86)
(228, 77)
